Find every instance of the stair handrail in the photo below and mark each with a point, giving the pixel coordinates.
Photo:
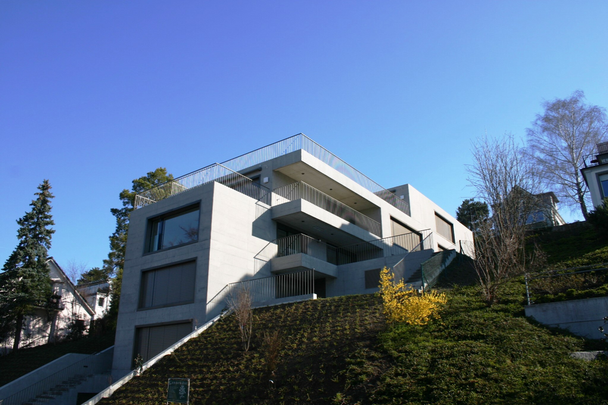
(417, 248)
(57, 378)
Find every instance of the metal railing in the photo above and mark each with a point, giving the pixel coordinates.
(280, 148)
(564, 283)
(301, 190)
(391, 246)
(268, 289)
(215, 172)
(90, 365)
(432, 268)
(399, 267)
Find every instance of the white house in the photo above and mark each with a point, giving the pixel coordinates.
(596, 175)
(48, 325)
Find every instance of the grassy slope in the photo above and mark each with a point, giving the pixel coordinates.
(17, 364)
(339, 351)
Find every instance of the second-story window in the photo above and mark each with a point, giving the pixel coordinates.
(173, 229)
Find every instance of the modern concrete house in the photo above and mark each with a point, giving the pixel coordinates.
(288, 220)
(596, 175)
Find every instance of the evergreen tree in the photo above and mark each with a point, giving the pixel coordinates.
(114, 264)
(471, 213)
(25, 283)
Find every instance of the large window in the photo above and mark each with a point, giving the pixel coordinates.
(444, 228)
(173, 229)
(153, 340)
(172, 285)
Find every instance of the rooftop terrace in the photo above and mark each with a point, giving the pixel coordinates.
(228, 173)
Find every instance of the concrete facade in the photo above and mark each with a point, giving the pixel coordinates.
(281, 209)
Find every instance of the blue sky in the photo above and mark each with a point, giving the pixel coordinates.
(96, 94)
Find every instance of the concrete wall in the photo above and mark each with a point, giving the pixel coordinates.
(581, 317)
(137, 261)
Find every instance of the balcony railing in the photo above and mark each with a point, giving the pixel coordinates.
(301, 190)
(288, 145)
(215, 172)
(394, 245)
(265, 290)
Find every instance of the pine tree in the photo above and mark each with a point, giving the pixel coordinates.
(25, 283)
(114, 264)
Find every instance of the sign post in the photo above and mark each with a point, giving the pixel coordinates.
(178, 391)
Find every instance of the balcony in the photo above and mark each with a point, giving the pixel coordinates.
(347, 216)
(216, 172)
(301, 252)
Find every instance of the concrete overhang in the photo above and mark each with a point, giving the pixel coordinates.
(301, 261)
(302, 166)
(315, 221)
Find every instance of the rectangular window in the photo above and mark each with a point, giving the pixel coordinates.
(172, 285)
(604, 184)
(173, 229)
(444, 228)
(404, 236)
(153, 340)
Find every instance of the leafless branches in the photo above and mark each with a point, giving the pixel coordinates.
(560, 140)
(240, 302)
(506, 181)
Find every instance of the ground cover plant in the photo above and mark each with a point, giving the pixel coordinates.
(21, 362)
(340, 351)
(303, 362)
(571, 258)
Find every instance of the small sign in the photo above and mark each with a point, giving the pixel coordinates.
(179, 390)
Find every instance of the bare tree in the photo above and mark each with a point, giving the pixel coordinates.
(240, 302)
(559, 142)
(504, 179)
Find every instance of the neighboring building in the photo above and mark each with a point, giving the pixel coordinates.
(48, 325)
(596, 175)
(97, 295)
(287, 212)
(545, 215)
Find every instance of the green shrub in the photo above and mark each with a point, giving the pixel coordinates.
(599, 217)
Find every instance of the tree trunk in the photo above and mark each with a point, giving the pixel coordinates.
(581, 200)
(18, 327)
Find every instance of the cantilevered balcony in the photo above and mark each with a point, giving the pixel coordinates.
(346, 216)
(301, 252)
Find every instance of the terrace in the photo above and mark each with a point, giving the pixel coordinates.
(228, 173)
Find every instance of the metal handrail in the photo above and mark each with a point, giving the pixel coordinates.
(338, 255)
(399, 267)
(268, 289)
(216, 172)
(301, 190)
(81, 367)
(283, 147)
(571, 271)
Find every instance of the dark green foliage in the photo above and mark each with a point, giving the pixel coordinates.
(339, 351)
(599, 217)
(114, 264)
(25, 283)
(471, 213)
(95, 274)
(316, 340)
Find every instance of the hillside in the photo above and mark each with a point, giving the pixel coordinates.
(339, 351)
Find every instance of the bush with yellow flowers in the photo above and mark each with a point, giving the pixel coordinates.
(404, 304)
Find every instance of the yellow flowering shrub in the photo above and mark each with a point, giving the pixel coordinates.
(405, 304)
